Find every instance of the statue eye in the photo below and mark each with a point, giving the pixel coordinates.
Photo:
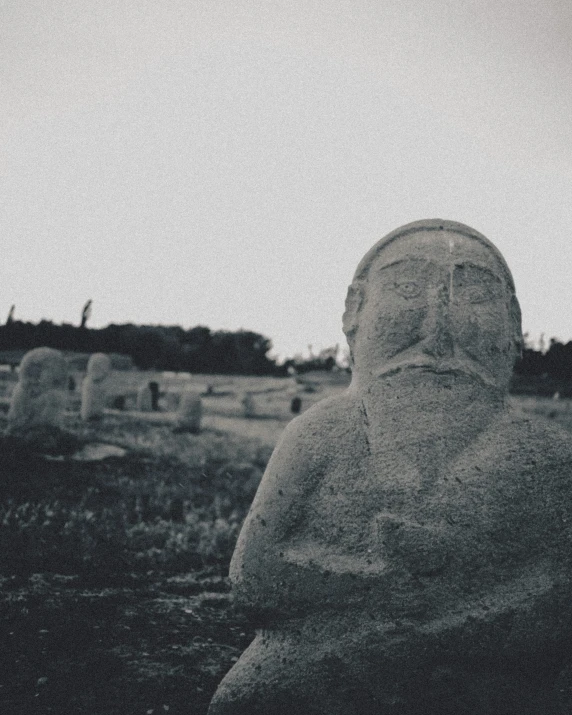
(408, 289)
(476, 294)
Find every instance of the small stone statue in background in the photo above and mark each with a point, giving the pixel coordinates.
(409, 549)
(296, 405)
(154, 387)
(144, 399)
(190, 413)
(93, 389)
(39, 398)
(119, 402)
(248, 405)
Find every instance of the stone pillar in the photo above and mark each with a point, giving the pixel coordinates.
(190, 412)
(154, 387)
(248, 405)
(296, 405)
(93, 389)
(144, 399)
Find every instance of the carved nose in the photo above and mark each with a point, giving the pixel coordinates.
(437, 339)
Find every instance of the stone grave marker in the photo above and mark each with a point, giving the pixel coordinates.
(154, 387)
(144, 399)
(296, 405)
(189, 413)
(248, 405)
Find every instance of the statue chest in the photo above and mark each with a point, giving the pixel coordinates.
(394, 513)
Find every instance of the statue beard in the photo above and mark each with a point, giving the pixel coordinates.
(427, 414)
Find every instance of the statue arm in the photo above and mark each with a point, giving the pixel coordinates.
(278, 569)
(262, 578)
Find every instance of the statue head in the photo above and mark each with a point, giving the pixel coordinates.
(98, 367)
(43, 369)
(437, 296)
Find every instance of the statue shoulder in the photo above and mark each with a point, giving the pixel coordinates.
(537, 438)
(325, 424)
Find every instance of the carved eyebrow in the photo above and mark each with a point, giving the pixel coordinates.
(399, 261)
(478, 267)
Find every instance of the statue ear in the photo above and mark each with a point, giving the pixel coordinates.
(354, 302)
(516, 321)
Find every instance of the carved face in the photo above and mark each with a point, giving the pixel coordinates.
(440, 302)
(42, 369)
(98, 367)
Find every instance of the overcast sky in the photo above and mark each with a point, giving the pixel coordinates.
(228, 162)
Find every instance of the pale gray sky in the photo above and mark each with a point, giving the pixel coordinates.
(228, 162)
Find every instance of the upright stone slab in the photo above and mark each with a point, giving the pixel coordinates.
(190, 412)
(39, 398)
(296, 405)
(144, 399)
(154, 387)
(409, 549)
(248, 405)
(93, 389)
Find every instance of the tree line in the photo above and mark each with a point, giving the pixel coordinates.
(544, 372)
(243, 352)
(556, 362)
(153, 346)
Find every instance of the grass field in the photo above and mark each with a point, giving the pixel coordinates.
(113, 589)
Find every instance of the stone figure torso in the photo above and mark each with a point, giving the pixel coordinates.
(94, 387)
(415, 522)
(478, 568)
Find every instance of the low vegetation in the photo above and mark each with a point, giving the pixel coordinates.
(173, 508)
(113, 591)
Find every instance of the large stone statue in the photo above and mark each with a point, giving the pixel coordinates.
(94, 388)
(409, 549)
(39, 398)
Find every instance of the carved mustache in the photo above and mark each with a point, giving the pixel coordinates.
(452, 365)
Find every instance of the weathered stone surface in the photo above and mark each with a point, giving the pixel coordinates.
(144, 399)
(190, 412)
(94, 389)
(409, 549)
(39, 398)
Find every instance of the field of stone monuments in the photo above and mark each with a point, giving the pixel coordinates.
(115, 538)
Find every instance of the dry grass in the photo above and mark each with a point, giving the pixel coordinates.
(173, 502)
(559, 411)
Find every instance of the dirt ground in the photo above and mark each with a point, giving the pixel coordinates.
(116, 646)
(113, 590)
